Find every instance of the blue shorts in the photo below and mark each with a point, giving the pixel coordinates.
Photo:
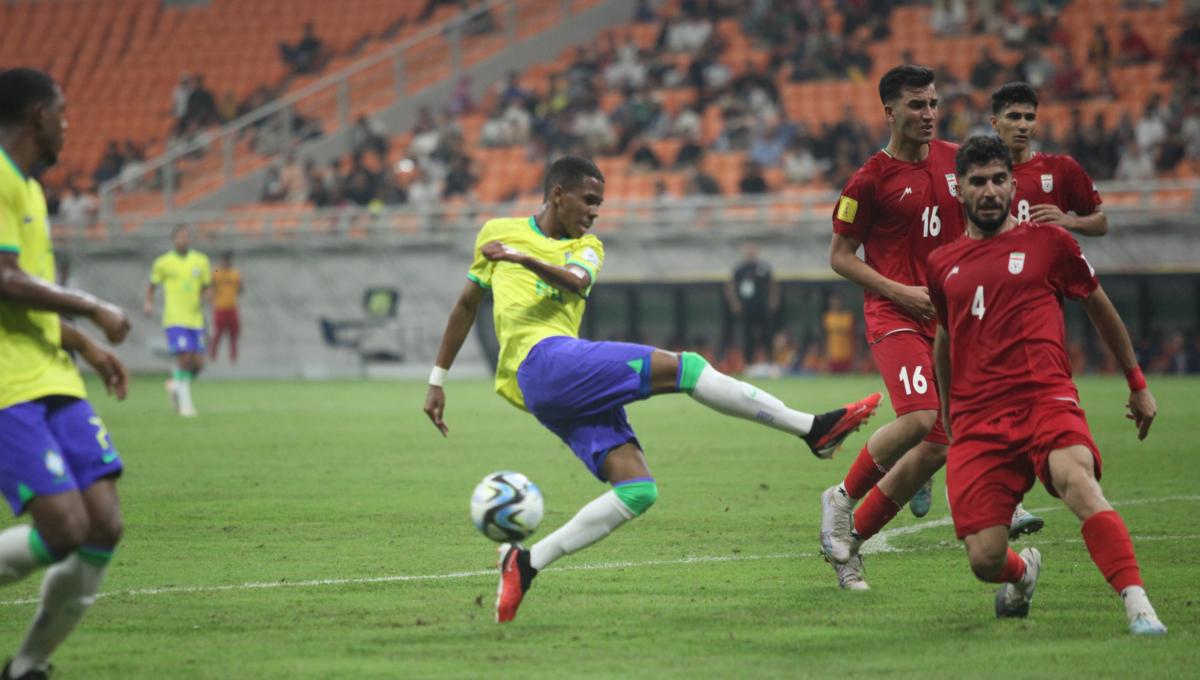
(52, 445)
(577, 389)
(182, 340)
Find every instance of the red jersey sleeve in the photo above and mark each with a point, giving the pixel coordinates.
(1071, 276)
(855, 209)
(1082, 197)
(936, 294)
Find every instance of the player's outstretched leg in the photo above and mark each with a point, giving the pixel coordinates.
(628, 499)
(994, 562)
(822, 433)
(1072, 471)
(1024, 522)
(70, 586)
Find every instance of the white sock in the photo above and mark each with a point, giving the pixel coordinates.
(592, 523)
(68, 590)
(743, 400)
(16, 556)
(183, 390)
(1136, 602)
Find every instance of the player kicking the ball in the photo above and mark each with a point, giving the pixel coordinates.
(1006, 387)
(540, 270)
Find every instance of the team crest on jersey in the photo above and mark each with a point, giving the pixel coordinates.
(952, 183)
(1047, 183)
(1016, 263)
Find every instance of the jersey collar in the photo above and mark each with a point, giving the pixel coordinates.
(13, 164)
(534, 225)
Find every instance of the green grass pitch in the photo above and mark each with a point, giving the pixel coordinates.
(320, 530)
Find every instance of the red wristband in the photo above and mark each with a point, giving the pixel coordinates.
(1135, 379)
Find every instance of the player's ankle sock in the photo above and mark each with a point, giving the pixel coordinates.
(592, 523)
(183, 388)
(733, 397)
(21, 551)
(864, 474)
(1014, 569)
(68, 590)
(1108, 542)
(874, 513)
(1137, 603)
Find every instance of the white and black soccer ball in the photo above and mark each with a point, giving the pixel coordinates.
(506, 506)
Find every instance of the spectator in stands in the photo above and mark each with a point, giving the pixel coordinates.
(1190, 130)
(690, 153)
(461, 179)
(305, 56)
(426, 135)
(987, 69)
(701, 183)
(77, 208)
(361, 184)
(424, 191)
(628, 69)
(110, 164)
(368, 134)
(273, 190)
(687, 33)
(643, 13)
(752, 181)
(1034, 68)
(1068, 78)
(1137, 163)
(767, 146)
(636, 115)
(643, 158)
(201, 109)
(1132, 48)
(511, 90)
(592, 125)
(800, 166)
(462, 101)
(496, 130)
(227, 108)
(479, 18)
(688, 123)
(949, 17)
(179, 97)
(317, 190)
(1100, 51)
(292, 175)
(431, 6)
(1151, 130)
(752, 294)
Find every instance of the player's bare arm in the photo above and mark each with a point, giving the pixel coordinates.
(569, 278)
(30, 291)
(843, 258)
(941, 367)
(458, 326)
(1142, 406)
(148, 304)
(1095, 224)
(106, 364)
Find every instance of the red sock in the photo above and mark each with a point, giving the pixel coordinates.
(875, 512)
(863, 475)
(1014, 568)
(1108, 541)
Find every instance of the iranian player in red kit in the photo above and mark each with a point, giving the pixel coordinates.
(1050, 188)
(1006, 389)
(899, 206)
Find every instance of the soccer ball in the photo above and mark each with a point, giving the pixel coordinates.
(506, 506)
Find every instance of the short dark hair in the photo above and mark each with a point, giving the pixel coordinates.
(21, 88)
(1013, 93)
(900, 77)
(981, 150)
(569, 172)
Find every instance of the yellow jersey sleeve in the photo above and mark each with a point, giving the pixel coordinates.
(481, 267)
(205, 271)
(589, 256)
(10, 220)
(158, 273)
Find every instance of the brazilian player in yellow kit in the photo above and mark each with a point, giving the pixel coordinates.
(57, 463)
(540, 270)
(186, 278)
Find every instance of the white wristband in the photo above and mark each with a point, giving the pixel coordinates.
(437, 377)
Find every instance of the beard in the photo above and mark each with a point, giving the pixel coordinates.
(990, 225)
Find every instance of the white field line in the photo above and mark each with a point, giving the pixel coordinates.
(877, 544)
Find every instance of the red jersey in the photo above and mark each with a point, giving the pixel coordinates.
(900, 212)
(1057, 180)
(999, 300)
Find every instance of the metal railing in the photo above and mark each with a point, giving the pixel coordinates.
(215, 158)
(1133, 204)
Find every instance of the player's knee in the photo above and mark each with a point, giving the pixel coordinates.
(986, 564)
(107, 531)
(63, 534)
(637, 496)
(920, 422)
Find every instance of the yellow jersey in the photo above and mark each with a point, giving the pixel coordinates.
(33, 363)
(527, 309)
(183, 278)
(227, 285)
(839, 335)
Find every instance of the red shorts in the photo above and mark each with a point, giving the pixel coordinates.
(905, 362)
(227, 319)
(992, 463)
